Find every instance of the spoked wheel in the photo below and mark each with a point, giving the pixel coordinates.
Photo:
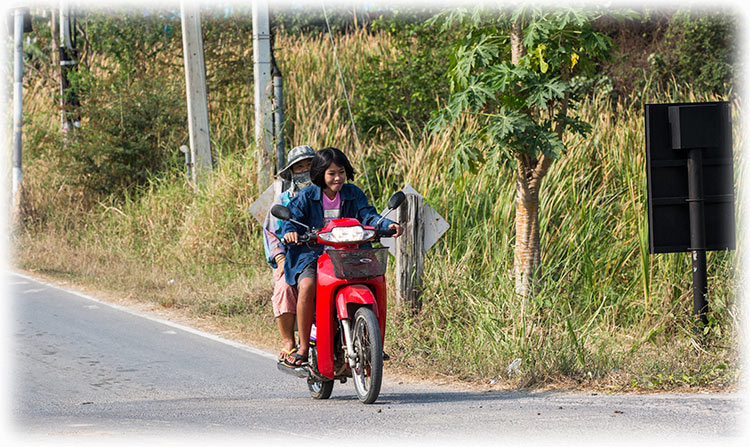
(368, 347)
(318, 390)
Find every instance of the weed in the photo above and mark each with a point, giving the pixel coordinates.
(605, 310)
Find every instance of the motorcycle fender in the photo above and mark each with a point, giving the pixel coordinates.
(354, 294)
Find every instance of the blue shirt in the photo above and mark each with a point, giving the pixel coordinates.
(307, 208)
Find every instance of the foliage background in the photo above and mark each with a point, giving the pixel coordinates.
(110, 208)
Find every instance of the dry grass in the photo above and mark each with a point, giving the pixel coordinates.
(607, 314)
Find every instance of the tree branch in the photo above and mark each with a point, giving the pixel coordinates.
(540, 170)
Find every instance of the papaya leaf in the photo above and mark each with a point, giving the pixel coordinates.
(465, 157)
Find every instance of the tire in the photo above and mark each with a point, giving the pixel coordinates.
(369, 350)
(318, 390)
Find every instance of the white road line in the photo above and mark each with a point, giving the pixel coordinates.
(181, 327)
(34, 290)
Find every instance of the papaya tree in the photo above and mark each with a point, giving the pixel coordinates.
(516, 75)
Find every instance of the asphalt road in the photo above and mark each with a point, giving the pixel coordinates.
(83, 368)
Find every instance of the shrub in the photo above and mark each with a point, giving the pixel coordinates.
(698, 49)
(131, 133)
(403, 84)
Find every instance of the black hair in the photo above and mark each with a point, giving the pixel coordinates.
(323, 159)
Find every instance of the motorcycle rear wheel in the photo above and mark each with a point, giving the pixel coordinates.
(369, 350)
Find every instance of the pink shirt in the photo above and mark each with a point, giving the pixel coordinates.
(331, 208)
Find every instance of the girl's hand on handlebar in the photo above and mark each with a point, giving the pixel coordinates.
(291, 238)
(399, 229)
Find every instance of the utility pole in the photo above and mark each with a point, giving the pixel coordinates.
(263, 92)
(195, 87)
(278, 116)
(18, 29)
(68, 62)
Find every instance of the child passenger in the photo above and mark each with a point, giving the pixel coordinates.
(330, 197)
(284, 300)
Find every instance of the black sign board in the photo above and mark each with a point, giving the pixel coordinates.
(672, 131)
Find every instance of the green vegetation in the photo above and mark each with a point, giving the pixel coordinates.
(516, 77)
(605, 312)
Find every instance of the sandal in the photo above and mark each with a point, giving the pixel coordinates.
(284, 354)
(295, 360)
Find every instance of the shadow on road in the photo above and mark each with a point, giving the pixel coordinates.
(429, 397)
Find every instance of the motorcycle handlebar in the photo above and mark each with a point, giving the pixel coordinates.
(302, 238)
(311, 236)
(306, 237)
(386, 233)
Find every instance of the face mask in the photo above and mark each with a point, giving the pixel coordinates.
(300, 181)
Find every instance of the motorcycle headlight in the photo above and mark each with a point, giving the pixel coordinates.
(347, 234)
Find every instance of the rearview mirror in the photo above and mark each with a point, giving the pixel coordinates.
(281, 212)
(396, 200)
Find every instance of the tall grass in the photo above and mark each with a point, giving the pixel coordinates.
(605, 306)
(606, 311)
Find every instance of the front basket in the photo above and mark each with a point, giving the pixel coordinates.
(355, 264)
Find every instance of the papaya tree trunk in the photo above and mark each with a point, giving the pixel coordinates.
(526, 254)
(527, 251)
(517, 51)
(530, 171)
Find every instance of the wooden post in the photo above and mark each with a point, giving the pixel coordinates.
(410, 253)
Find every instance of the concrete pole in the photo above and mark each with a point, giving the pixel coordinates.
(17, 107)
(65, 39)
(278, 119)
(68, 62)
(195, 87)
(263, 92)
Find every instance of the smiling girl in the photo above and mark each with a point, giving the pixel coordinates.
(329, 197)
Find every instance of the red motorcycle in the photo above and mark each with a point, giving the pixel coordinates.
(350, 306)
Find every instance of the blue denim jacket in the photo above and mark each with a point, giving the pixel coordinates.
(307, 208)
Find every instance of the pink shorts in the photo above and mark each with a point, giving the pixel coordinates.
(284, 297)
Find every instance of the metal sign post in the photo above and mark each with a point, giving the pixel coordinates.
(690, 185)
(697, 233)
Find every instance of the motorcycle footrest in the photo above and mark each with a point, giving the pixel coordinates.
(303, 372)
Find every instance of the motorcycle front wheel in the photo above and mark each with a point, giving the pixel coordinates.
(368, 348)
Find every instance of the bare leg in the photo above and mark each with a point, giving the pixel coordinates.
(286, 328)
(305, 310)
